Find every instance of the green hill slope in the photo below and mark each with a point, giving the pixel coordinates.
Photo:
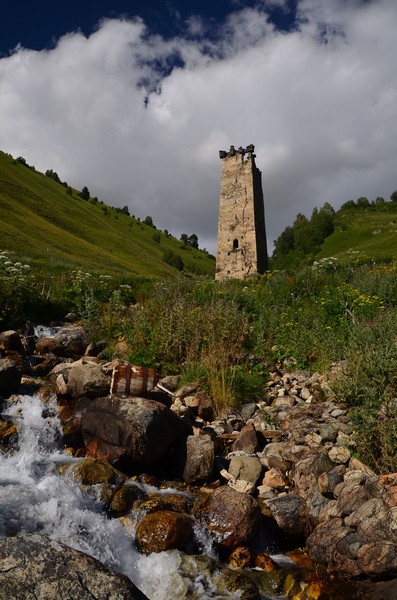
(40, 222)
(370, 232)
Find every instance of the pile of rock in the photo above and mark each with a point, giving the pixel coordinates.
(285, 462)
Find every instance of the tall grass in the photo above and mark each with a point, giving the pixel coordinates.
(224, 334)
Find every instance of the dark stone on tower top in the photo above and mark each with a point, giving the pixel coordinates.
(232, 152)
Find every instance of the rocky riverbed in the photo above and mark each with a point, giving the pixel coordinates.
(269, 502)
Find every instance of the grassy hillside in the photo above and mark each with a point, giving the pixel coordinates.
(370, 231)
(40, 222)
(363, 230)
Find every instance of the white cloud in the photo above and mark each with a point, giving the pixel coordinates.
(318, 102)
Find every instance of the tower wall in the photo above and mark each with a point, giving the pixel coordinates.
(241, 228)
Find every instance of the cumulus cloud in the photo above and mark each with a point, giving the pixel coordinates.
(140, 119)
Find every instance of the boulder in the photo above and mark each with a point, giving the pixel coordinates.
(91, 472)
(248, 440)
(44, 364)
(122, 500)
(248, 468)
(81, 378)
(10, 376)
(164, 530)
(335, 545)
(68, 342)
(200, 456)
(290, 513)
(35, 566)
(232, 517)
(11, 341)
(137, 430)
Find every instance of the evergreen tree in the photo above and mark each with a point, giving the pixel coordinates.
(85, 193)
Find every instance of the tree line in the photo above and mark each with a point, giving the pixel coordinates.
(304, 238)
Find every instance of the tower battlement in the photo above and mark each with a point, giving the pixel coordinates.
(242, 247)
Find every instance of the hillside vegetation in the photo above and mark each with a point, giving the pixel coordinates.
(358, 229)
(50, 225)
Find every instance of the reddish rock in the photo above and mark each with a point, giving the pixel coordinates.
(266, 563)
(274, 478)
(248, 440)
(233, 518)
(241, 558)
(164, 530)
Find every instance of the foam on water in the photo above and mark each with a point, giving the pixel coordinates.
(34, 497)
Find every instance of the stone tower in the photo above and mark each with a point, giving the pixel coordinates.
(242, 247)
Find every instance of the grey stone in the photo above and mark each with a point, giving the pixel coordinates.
(35, 567)
(248, 468)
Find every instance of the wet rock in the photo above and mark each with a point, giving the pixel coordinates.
(232, 517)
(68, 342)
(11, 341)
(164, 530)
(290, 513)
(215, 581)
(266, 563)
(45, 364)
(200, 456)
(122, 500)
(37, 567)
(8, 433)
(91, 472)
(10, 376)
(137, 430)
(175, 502)
(241, 558)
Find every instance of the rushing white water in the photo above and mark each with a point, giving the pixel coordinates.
(34, 497)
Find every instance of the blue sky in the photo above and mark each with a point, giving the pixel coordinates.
(134, 100)
(42, 23)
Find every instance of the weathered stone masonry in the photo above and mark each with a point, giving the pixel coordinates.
(241, 230)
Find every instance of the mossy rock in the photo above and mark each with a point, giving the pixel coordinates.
(155, 502)
(226, 581)
(8, 432)
(164, 530)
(123, 499)
(92, 472)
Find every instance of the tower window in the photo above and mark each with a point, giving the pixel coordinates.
(235, 244)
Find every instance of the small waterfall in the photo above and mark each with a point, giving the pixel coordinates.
(36, 498)
(41, 331)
